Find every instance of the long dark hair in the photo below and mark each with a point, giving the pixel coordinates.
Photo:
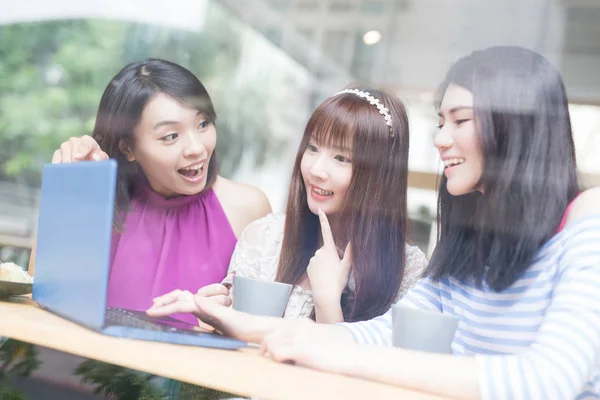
(121, 109)
(374, 211)
(529, 174)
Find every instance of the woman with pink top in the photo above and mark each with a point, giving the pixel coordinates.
(176, 220)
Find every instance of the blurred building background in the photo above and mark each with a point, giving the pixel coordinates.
(267, 64)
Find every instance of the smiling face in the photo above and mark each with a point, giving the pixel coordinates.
(458, 142)
(326, 173)
(173, 146)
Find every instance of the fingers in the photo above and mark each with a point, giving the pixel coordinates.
(66, 152)
(178, 301)
(326, 230)
(228, 280)
(85, 148)
(56, 157)
(103, 155)
(207, 306)
(204, 326)
(222, 300)
(173, 308)
(99, 155)
(278, 348)
(74, 149)
(167, 298)
(213, 314)
(216, 289)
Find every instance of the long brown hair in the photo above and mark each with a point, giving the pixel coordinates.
(121, 109)
(374, 210)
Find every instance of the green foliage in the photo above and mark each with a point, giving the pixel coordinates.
(16, 359)
(121, 383)
(192, 392)
(6, 393)
(118, 382)
(51, 80)
(52, 76)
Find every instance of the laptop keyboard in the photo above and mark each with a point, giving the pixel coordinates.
(139, 319)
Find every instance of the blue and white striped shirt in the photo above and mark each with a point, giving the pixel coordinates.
(538, 339)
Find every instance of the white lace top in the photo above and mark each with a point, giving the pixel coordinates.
(256, 255)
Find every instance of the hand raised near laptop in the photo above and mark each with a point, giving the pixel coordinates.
(182, 301)
(213, 314)
(328, 273)
(83, 148)
(225, 320)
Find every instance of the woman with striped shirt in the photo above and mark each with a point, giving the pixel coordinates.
(517, 264)
(517, 261)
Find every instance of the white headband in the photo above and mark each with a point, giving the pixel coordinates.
(383, 110)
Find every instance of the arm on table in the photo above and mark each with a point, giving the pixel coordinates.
(556, 365)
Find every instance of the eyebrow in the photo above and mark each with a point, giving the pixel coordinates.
(164, 123)
(343, 149)
(456, 109)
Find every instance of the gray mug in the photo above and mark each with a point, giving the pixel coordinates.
(260, 297)
(422, 330)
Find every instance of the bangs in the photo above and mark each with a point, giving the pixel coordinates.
(201, 103)
(332, 125)
(439, 95)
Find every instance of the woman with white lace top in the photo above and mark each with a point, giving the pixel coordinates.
(342, 241)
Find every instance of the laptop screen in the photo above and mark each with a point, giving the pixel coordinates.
(74, 240)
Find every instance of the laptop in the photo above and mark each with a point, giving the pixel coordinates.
(73, 256)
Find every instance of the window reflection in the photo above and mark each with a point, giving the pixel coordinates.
(267, 64)
(54, 70)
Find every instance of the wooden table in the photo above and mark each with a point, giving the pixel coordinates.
(241, 372)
